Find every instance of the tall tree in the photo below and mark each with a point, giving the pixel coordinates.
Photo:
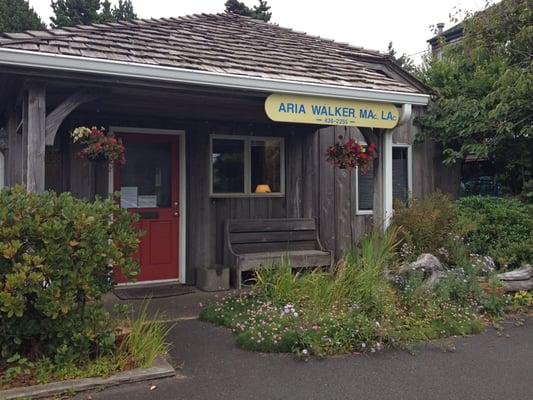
(260, 11)
(237, 7)
(124, 11)
(17, 15)
(106, 14)
(484, 86)
(74, 12)
(403, 61)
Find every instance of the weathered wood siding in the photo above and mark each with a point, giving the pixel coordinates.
(337, 193)
(313, 187)
(340, 226)
(206, 215)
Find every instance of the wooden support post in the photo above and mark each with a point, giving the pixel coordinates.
(378, 214)
(386, 158)
(34, 122)
(13, 174)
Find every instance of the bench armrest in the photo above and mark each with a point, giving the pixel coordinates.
(318, 242)
(227, 239)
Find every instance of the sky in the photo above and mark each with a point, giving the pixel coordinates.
(369, 24)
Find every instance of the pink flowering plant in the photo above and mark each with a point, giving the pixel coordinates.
(355, 308)
(349, 154)
(360, 306)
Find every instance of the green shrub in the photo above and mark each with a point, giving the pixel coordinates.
(57, 257)
(425, 225)
(501, 228)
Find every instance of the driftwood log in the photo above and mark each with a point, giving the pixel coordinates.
(429, 265)
(520, 279)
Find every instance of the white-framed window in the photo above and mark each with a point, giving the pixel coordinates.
(251, 166)
(401, 180)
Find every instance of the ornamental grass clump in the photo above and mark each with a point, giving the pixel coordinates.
(146, 340)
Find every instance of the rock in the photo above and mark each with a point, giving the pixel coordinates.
(429, 265)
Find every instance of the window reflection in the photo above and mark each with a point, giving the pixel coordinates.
(228, 166)
(266, 166)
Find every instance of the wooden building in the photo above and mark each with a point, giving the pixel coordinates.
(187, 96)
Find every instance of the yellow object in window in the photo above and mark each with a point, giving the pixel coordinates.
(263, 188)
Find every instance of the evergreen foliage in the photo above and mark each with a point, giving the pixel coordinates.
(74, 12)
(260, 11)
(17, 16)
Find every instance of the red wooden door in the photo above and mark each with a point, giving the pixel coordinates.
(149, 183)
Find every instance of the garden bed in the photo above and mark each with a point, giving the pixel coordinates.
(159, 369)
(137, 346)
(368, 302)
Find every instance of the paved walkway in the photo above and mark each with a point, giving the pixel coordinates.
(187, 306)
(482, 367)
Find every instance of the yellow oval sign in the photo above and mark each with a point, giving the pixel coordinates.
(330, 111)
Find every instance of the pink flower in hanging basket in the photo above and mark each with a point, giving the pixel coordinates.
(350, 154)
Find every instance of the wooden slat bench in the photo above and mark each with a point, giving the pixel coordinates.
(254, 243)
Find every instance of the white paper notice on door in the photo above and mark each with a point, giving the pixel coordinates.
(128, 197)
(147, 201)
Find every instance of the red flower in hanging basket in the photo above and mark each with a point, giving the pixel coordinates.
(99, 146)
(350, 154)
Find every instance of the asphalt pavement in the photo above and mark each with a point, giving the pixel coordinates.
(486, 366)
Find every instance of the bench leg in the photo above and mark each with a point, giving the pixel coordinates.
(236, 276)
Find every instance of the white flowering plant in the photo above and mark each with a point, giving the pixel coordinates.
(98, 145)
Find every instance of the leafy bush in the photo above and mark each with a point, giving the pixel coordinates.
(57, 257)
(425, 225)
(501, 228)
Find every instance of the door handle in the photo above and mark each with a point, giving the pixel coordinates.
(176, 214)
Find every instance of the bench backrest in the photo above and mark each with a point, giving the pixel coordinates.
(266, 235)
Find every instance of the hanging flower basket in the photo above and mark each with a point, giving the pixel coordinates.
(98, 146)
(350, 154)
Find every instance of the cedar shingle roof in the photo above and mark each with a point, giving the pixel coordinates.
(224, 43)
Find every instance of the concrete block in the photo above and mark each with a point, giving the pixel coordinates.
(213, 278)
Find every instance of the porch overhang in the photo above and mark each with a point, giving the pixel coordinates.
(61, 62)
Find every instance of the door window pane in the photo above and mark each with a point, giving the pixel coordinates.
(228, 166)
(266, 166)
(400, 180)
(365, 189)
(146, 176)
(400, 188)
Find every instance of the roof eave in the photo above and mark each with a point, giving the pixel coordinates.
(48, 61)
